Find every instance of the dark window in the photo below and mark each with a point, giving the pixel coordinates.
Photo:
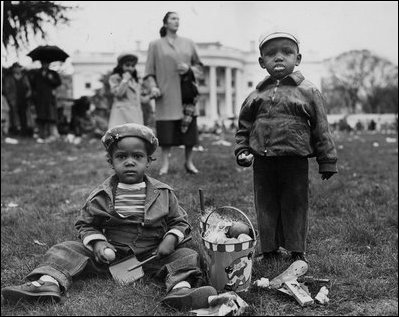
(201, 103)
(250, 84)
(88, 85)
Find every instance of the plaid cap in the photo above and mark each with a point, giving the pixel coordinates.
(130, 129)
(270, 36)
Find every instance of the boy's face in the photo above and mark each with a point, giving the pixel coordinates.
(130, 160)
(279, 56)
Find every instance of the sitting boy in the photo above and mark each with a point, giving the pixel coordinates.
(130, 213)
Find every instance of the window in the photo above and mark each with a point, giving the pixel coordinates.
(87, 85)
(250, 84)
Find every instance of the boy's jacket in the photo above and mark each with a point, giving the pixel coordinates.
(161, 214)
(286, 119)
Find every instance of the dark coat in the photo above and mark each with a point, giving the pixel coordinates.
(44, 98)
(286, 118)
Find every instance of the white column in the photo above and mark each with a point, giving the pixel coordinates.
(213, 112)
(239, 85)
(228, 93)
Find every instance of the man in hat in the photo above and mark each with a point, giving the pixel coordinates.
(281, 124)
(129, 213)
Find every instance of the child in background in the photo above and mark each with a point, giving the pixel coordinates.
(281, 124)
(126, 89)
(129, 213)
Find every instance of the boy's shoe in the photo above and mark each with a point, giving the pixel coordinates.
(266, 256)
(295, 256)
(185, 297)
(32, 290)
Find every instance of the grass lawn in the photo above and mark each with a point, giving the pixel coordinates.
(353, 231)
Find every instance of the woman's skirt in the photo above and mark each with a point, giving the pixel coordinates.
(169, 133)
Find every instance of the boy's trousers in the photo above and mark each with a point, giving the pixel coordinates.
(67, 260)
(281, 201)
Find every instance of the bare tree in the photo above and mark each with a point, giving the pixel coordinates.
(358, 75)
(22, 19)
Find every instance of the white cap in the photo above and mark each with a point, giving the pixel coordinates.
(267, 37)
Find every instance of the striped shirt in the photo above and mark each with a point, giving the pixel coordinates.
(130, 201)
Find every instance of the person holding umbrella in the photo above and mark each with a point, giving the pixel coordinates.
(44, 83)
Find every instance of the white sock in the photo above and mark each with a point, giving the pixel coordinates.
(182, 284)
(48, 278)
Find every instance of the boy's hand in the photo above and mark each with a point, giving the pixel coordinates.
(167, 246)
(245, 159)
(98, 248)
(326, 175)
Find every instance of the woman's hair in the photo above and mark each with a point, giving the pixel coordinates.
(119, 69)
(162, 31)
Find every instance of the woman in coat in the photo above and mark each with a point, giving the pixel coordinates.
(168, 59)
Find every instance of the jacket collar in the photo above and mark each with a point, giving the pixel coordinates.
(295, 78)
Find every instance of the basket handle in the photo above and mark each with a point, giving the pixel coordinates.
(235, 209)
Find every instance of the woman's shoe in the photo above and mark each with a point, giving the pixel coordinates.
(192, 170)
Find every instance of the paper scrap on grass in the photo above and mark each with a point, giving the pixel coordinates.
(199, 148)
(262, 282)
(11, 141)
(222, 142)
(321, 297)
(12, 205)
(39, 243)
(390, 140)
(224, 304)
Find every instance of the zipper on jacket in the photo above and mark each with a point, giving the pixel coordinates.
(275, 90)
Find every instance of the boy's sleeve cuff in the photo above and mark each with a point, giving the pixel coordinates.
(92, 237)
(177, 233)
(328, 167)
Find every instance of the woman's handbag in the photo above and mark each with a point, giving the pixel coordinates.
(189, 94)
(189, 88)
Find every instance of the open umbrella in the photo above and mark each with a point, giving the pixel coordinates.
(49, 53)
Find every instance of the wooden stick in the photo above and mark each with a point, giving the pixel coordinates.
(154, 255)
(202, 205)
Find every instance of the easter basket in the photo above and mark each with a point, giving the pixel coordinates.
(228, 261)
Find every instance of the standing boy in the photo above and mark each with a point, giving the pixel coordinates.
(281, 124)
